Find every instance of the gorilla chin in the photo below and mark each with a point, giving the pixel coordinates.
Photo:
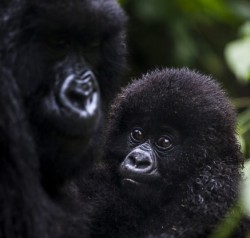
(141, 187)
(142, 193)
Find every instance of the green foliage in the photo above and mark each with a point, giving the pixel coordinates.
(237, 54)
(245, 190)
(202, 10)
(230, 222)
(200, 34)
(228, 225)
(244, 131)
(241, 8)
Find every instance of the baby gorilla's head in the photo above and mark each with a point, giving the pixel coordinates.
(168, 128)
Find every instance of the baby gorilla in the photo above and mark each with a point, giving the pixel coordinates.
(172, 157)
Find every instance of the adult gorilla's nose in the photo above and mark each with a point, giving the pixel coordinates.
(80, 88)
(80, 93)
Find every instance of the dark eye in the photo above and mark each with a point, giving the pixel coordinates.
(164, 142)
(137, 135)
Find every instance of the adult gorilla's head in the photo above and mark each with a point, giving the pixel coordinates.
(67, 58)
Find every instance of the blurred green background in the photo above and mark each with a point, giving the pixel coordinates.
(212, 36)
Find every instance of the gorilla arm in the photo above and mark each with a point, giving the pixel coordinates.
(22, 201)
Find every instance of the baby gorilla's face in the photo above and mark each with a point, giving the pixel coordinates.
(141, 170)
(165, 129)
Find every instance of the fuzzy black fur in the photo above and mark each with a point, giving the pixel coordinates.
(37, 158)
(200, 175)
(25, 208)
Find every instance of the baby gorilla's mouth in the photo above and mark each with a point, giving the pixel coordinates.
(135, 189)
(139, 179)
(141, 192)
(130, 180)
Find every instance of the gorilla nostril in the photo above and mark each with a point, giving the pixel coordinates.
(76, 95)
(131, 160)
(143, 164)
(80, 91)
(139, 161)
(87, 88)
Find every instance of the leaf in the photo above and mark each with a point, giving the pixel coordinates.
(245, 189)
(245, 29)
(237, 56)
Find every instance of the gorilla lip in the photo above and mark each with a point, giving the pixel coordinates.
(147, 180)
(129, 181)
(128, 177)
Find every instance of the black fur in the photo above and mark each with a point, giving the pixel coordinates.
(41, 147)
(199, 176)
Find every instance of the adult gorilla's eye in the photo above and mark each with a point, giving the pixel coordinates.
(164, 142)
(137, 135)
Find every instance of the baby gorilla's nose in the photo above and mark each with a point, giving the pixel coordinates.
(138, 161)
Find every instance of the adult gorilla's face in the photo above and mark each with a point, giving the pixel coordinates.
(67, 61)
(73, 105)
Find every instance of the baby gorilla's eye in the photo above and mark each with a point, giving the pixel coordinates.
(164, 142)
(137, 135)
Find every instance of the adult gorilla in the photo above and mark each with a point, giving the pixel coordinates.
(64, 60)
